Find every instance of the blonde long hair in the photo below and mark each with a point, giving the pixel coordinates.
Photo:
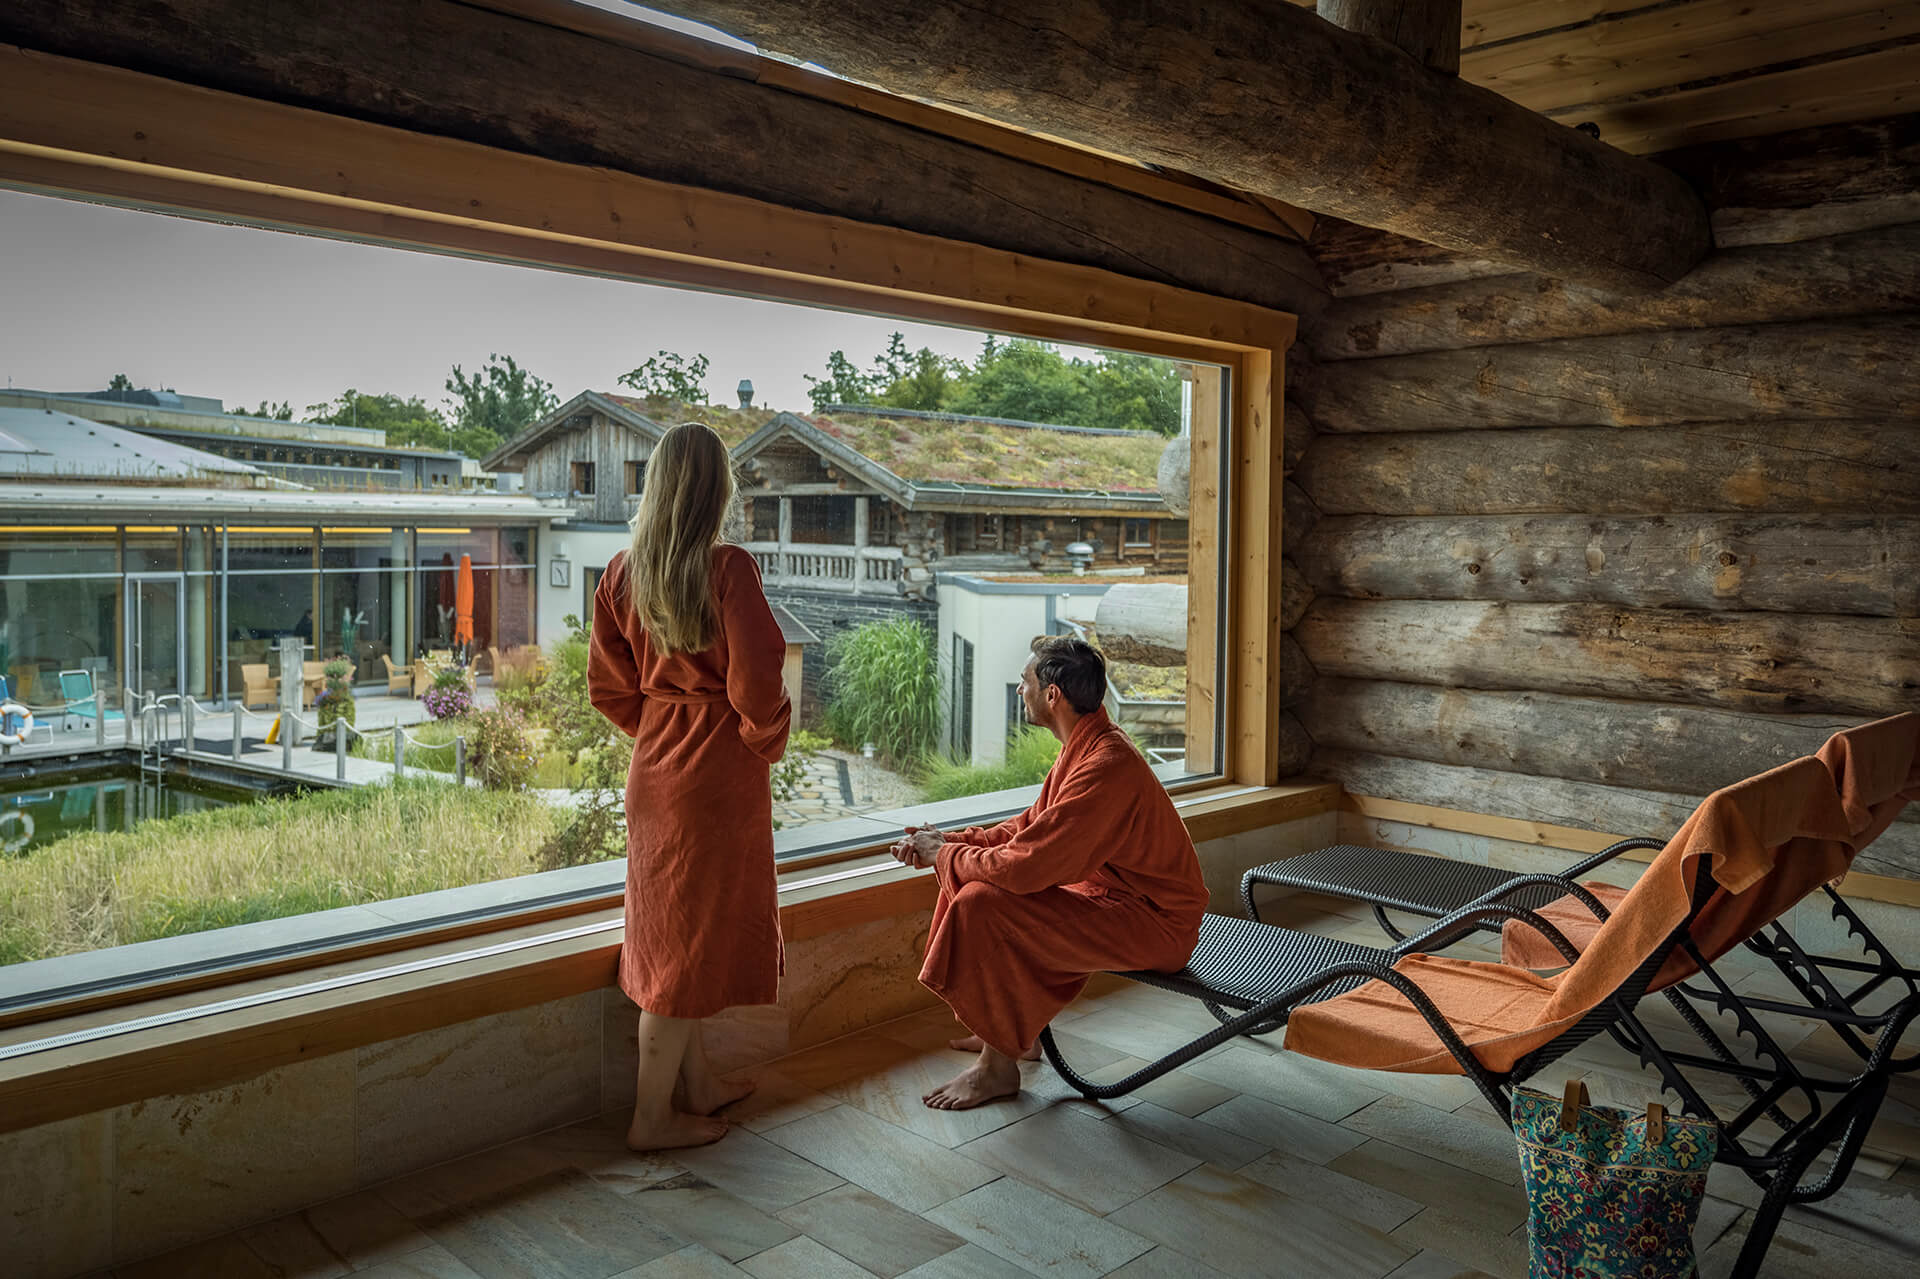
(684, 505)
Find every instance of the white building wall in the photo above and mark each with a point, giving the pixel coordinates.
(581, 550)
(1001, 620)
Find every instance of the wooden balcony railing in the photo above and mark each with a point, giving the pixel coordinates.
(858, 570)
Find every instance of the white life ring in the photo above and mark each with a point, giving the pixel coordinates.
(26, 829)
(9, 710)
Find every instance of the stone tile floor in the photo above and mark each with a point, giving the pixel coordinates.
(1248, 1161)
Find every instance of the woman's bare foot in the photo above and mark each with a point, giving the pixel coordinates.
(989, 1079)
(677, 1131)
(717, 1094)
(973, 1044)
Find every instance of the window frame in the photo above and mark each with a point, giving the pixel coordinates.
(226, 157)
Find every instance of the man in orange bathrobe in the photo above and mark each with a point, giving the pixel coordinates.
(1099, 874)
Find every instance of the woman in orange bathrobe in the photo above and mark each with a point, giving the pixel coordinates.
(686, 657)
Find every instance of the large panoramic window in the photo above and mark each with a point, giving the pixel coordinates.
(262, 667)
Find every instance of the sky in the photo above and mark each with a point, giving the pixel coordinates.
(245, 315)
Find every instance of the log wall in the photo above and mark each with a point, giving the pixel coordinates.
(1582, 559)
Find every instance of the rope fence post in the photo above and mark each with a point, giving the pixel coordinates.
(286, 742)
(99, 717)
(399, 752)
(339, 750)
(238, 745)
(460, 760)
(186, 724)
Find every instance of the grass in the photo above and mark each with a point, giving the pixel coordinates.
(263, 861)
(1030, 753)
(430, 744)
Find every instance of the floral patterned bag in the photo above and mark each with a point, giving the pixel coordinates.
(1610, 1193)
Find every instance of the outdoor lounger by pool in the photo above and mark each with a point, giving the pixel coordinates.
(1748, 854)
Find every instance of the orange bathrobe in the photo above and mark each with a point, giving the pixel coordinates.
(1098, 875)
(703, 924)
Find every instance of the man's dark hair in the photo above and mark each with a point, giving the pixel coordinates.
(1076, 666)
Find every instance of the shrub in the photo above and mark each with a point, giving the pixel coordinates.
(518, 671)
(1030, 753)
(597, 831)
(499, 751)
(883, 686)
(335, 702)
(450, 695)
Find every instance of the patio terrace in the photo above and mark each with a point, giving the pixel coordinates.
(1248, 1161)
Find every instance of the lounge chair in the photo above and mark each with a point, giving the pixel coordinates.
(399, 678)
(256, 686)
(77, 692)
(422, 676)
(1410, 1009)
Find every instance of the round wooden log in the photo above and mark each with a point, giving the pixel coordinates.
(1688, 750)
(1297, 673)
(1839, 467)
(1265, 97)
(1612, 810)
(1296, 745)
(1296, 596)
(1298, 514)
(1864, 273)
(1861, 369)
(1743, 661)
(1854, 564)
(1296, 437)
(1427, 29)
(1146, 623)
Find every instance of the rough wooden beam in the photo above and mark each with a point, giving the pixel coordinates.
(1740, 661)
(456, 71)
(1841, 468)
(1427, 29)
(1859, 368)
(1616, 810)
(1687, 750)
(1860, 564)
(1868, 272)
(1357, 260)
(1267, 98)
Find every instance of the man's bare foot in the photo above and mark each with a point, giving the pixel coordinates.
(973, 1044)
(677, 1131)
(717, 1094)
(989, 1079)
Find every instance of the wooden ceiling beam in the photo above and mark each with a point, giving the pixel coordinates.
(1427, 29)
(685, 112)
(1265, 97)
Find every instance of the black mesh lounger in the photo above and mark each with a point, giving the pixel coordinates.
(1253, 975)
(1422, 884)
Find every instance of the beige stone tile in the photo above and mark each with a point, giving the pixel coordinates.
(698, 1210)
(1434, 1183)
(689, 1263)
(878, 1236)
(1123, 1031)
(1479, 1147)
(1237, 1226)
(1287, 1079)
(1207, 1142)
(900, 1167)
(1433, 1265)
(364, 1229)
(853, 978)
(1498, 1253)
(749, 1167)
(893, 1093)
(560, 1226)
(189, 1167)
(1164, 1263)
(970, 1262)
(225, 1256)
(777, 1099)
(1184, 1093)
(1097, 1166)
(1034, 1230)
(801, 1258)
(598, 1147)
(461, 1181)
(1801, 1253)
(431, 1262)
(291, 1247)
(428, 1097)
(1352, 1197)
(56, 1196)
(1275, 1127)
(846, 1061)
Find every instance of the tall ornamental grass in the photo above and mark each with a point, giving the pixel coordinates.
(1030, 753)
(260, 861)
(883, 686)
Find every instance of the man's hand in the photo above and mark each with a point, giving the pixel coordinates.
(919, 847)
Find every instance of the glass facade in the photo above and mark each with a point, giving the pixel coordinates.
(171, 607)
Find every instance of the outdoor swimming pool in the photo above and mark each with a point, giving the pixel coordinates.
(49, 805)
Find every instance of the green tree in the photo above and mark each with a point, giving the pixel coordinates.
(670, 376)
(121, 382)
(409, 423)
(499, 401)
(843, 384)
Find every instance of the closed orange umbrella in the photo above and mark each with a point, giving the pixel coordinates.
(463, 602)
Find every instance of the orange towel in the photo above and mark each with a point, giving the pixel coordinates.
(1876, 768)
(1767, 842)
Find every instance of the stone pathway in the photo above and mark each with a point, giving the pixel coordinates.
(840, 785)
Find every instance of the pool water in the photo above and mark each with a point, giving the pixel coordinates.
(34, 812)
